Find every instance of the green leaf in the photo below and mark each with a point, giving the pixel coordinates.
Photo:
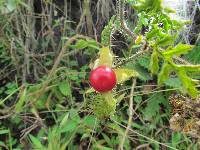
(11, 5)
(138, 40)
(81, 44)
(190, 68)
(152, 33)
(194, 55)
(153, 106)
(90, 121)
(93, 44)
(74, 115)
(107, 139)
(22, 99)
(40, 103)
(176, 138)
(36, 143)
(154, 64)
(103, 147)
(178, 50)
(173, 82)
(143, 72)
(64, 88)
(106, 57)
(5, 131)
(144, 61)
(164, 73)
(64, 120)
(124, 74)
(188, 84)
(167, 40)
(70, 126)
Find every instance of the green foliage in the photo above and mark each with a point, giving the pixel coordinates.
(161, 41)
(68, 117)
(154, 5)
(153, 106)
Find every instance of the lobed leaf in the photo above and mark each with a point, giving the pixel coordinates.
(164, 73)
(178, 50)
(188, 84)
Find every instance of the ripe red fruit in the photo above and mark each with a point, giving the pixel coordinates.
(102, 79)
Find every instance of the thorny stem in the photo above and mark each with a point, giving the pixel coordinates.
(120, 9)
(133, 57)
(120, 16)
(130, 116)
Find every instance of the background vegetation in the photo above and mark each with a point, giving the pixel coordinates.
(47, 49)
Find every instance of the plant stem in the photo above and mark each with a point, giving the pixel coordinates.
(130, 116)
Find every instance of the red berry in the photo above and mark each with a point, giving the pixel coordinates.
(102, 79)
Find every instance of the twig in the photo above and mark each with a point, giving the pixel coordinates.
(130, 116)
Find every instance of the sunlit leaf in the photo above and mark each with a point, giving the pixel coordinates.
(188, 84)
(124, 74)
(138, 39)
(191, 68)
(178, 50)
(106, 57)
(154, 66)
(96, 63)
(164, 73)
